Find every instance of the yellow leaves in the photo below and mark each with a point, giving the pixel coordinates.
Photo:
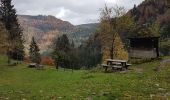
(106, 54)
(114, 22)
(119, 51)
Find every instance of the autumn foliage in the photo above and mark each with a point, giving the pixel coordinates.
(47, 61)
(113, 22)
(44, 61)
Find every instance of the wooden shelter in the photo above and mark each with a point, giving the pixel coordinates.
(146, 47)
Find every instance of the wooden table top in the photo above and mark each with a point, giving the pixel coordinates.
(115, 60)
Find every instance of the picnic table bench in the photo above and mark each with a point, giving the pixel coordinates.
(116, 64)
(32, 65)
(13, 63)
(35, 65)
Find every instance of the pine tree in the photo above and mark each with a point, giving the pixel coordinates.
(61, 52)
(34, 52)
(3, 38)
(72, 44)
(151, 29)
(15, 34)
(165, 31)
(136, 13)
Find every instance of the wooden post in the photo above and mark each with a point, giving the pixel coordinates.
(72, 69)
(106, 66)
(157, 47)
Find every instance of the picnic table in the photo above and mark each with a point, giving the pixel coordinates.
(116, 64)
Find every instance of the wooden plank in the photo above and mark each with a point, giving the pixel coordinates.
(115, 60)
(117, 66)
(116, 63)
(136, 53)
(129, 64)
(105, 65)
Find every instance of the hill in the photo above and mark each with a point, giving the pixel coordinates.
(46, 28)
(44, 23)
(153, 11)
(43, 28)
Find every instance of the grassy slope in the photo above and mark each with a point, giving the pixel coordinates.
(140, 83)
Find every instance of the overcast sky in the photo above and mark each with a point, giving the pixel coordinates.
(74, 11)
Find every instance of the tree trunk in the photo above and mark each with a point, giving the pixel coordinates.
(111, 51)
(57, 66)
(8, 54)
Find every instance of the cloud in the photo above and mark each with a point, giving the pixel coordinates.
(74, 11)
(61, 13)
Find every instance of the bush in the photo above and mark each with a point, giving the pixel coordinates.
(27, 60)
(47, 61)
(165, 47)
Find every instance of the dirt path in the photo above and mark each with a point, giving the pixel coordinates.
(162, 63)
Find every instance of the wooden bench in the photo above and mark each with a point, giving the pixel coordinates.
(13, 63)
(128, 65)
(105, 66)
(32, 65)
(35, 65)
(39, 67)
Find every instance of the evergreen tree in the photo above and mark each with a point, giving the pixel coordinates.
(63, 43)
(151, 29)
(92, 55)
(165, 31)
(34, 52)
(136, 13)
(3, 38)
(15, 34)
(61, 52)
(72, 44)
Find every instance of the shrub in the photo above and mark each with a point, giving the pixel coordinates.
(47, 61)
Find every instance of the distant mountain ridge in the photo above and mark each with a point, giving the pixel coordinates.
(45, 23)
(46, 28)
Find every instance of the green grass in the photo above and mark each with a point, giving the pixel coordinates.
(167, 57)
(139, 83)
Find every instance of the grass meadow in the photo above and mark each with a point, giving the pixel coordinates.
(140, 82)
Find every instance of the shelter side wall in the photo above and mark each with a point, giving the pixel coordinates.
(136, 53)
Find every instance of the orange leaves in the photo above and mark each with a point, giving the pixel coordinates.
(44, 60)
(47, 61)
